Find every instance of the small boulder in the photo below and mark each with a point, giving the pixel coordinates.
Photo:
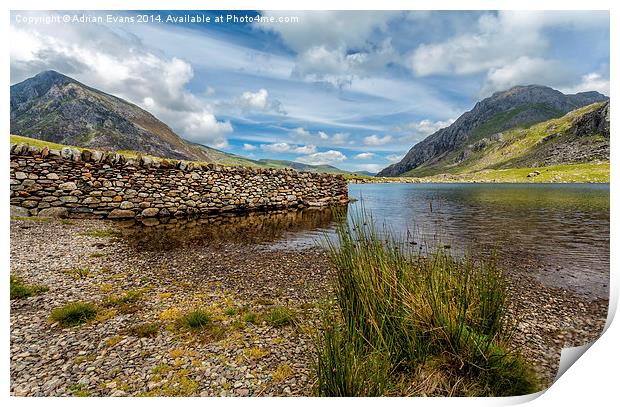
(19, 212)
(66, 153)
(121, 214)
(150, 212)
(96, 156)
(56, 212)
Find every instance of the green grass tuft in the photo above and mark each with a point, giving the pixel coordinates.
(126, 303)
(231, 311)
(19, 289)
(78, 272)
(148, 330)
(75, 313)
(30, 218)
(250, 317)
(399, 309)
(197, 319)
(280, 316)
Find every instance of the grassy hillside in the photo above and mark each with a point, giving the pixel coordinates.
(588, 172)
(511, 155)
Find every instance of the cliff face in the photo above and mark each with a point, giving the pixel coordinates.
(53, 107)
(520, 106)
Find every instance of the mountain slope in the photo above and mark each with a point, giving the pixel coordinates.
(520, 106)
(330, 169)
(53, 107)
(581, 136)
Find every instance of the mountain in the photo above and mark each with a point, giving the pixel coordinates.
(518, 107)
(330, 169)
(56, 108)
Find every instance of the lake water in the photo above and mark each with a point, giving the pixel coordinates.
(560, 232)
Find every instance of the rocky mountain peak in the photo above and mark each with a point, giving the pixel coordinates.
(519, 106)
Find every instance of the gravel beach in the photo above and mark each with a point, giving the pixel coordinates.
(94, 260)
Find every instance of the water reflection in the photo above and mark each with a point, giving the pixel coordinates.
(258, 227)
(560, 232)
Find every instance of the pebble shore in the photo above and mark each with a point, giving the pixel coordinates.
(104, 358)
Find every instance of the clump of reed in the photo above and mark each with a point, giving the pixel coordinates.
(413, 322)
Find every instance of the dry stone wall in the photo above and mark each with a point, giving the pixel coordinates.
(75, 183)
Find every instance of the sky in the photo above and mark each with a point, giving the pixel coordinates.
(353, 89)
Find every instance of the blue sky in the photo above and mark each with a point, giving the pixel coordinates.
(351, 89)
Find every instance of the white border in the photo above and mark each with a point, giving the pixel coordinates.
(593, 378)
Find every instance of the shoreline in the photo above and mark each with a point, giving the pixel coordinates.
(248, 359)
(478, 182)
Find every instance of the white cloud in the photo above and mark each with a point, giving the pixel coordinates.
(340, 138)
(510, 47)
(364, 156)
(333, 29)
(276, 147)
(590, 82)
(118, 63)
(394, 158)
(373, 168)
(249, 147)
(339, 67)
(424, 127)
(198, 125)
(319, 138)
(327, 157)
(260, 101)
(301, 132)
(323, 40)
(375, 140)
(497, 40)
(287, 148)
(524, 71)
(307, 149)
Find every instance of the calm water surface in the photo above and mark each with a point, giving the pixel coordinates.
(559, 232)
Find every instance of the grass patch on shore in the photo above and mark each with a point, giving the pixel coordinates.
(148, 330)
(78, 273)
(282, 372)
(399, 311)
(125, 303)
(231, 311)
(280, 316)
(30, 218)
(250, 317)
(195, 320)
(75, 313)
(19, 289)
(78, 390)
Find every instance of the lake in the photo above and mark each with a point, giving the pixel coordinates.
(560, 232)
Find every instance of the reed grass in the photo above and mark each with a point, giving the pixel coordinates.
(400, 311)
